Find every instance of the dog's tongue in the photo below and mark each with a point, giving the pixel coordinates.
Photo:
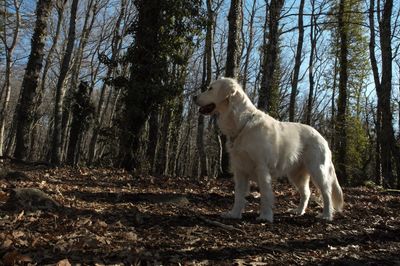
(207, 109)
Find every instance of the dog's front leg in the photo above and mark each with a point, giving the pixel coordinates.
(267, 195)
(241, 191)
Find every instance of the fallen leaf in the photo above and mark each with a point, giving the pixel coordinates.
(63, 262)
(13, 257)
(6, 243)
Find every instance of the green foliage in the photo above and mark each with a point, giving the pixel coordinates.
(358, 150)
(358, 145)
(163, 43)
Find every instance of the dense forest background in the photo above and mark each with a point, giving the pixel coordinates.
(110, 83)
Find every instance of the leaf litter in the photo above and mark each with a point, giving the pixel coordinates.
(109, 217)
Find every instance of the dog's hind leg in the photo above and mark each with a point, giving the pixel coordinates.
(322, 180)
(241, 191)
(301, 181)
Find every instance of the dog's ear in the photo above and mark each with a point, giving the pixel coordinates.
(231, 86)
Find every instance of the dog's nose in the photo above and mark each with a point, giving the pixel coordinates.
(195, 98)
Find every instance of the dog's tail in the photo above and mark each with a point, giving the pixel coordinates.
(337, 193)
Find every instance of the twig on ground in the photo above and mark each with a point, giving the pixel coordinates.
(219, 224)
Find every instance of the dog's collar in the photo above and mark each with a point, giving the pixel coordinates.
(233, 138)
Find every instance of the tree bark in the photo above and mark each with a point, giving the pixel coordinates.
(60, 6)
(250, 45)
(374, 66)
(388, 141)
(25, 108)
(56, 144)
(92, 7)
(152, 138)
(297, 63)
(100, 111)
(269, 90)
(81, 112)
(207, 72)
(341, 133)
(231, 67)
(313, 41)
(9, 50)
(235, 22)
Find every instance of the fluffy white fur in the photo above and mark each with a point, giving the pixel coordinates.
(262, 148)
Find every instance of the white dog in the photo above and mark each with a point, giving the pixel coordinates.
(262, 148)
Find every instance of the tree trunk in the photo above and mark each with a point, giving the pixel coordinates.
(374, 66)
(25, 108)
(81, 111)
(341, 133)
(162, 155)
(388, 141)
(207, 72)
(249, 47)
(386, 146)
(231, 66)
(269, 89)
(73, 86)
(100, 112)
(153, 138)
(48, 61)
(313, 40)
(297, 63)
(9, 50)
(56, 144)
(235, 22)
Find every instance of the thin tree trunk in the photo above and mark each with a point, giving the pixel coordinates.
(25, 107)
(341, 126)
(297, 63)
(249, 47)
(152, 139)
(66, 114)
(100, 112)
(56, 144)
(313, 40)
(231, 67)
(388, 142)
(9, 50)
(81, 110)
(205, 82)
(162, 157)
(374, 66)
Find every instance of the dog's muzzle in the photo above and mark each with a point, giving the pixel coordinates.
(205, 109)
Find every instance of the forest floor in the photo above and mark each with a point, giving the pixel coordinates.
(108, 217)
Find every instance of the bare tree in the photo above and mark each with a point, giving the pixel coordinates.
(313, 42)
(297, 64)
(205, 82)
(9, 50)
(341, 124)
(250, 44)
(269, 92)
(25, 109)
(56, 144)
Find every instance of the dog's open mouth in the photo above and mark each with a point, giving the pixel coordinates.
(207, 109)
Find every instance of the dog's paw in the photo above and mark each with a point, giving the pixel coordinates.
(296, 211)
(265, 218)
(231, 215)
(325, 216)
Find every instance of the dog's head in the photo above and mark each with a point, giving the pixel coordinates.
(216, 96)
